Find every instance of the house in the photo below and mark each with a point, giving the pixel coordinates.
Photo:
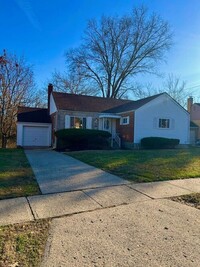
(194, 110)
(128, 121)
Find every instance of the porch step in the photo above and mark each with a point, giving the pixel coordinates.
(115, 145)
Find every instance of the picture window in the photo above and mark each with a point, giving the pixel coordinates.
(78, 122)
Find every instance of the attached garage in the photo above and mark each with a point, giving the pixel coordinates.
(33, 128)
(36, 136)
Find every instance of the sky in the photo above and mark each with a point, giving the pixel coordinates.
(43, 30)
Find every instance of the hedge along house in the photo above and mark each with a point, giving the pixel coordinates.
(128, 121)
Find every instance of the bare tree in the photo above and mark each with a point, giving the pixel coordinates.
(142, 91)
(72, 82)
(16, 83)
(173, 85)
(176, 89)
(118, 48)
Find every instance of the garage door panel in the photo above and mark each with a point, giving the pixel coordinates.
(35, 136)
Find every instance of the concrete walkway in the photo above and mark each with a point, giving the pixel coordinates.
(57, 173)
(112, 222)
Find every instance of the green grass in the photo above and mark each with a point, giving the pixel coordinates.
(16, 176)
(145, 165)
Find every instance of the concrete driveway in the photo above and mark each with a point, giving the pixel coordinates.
(57, 173)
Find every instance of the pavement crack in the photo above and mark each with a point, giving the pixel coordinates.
(31, 209)
(140, 192)
(92, 198)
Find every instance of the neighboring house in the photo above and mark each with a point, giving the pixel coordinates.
(157, 115)
(194, 110)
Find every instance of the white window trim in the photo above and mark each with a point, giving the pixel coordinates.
(164, 119)
(171, 123)
(68, 118)
(124, 123)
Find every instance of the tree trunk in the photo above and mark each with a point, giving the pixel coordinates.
(4, 141)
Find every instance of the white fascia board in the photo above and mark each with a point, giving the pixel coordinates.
(112, 116)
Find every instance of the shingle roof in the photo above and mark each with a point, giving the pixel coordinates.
(65, 101)
(132, 105)
(27, 114)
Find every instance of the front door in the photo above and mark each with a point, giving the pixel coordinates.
(107, 125)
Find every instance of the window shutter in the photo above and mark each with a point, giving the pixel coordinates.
(84, 123)
(89, 123)
(155, 121)
(128, 119)
(67, 121)
(173, 123)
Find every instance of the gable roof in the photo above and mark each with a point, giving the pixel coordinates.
(27, 114)
(132, 105)
(73, 102)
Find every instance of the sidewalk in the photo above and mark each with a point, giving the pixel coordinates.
(25, 209)
(153, 233)
(99, 219)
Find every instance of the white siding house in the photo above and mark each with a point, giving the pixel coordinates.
(128, 121)
(162, 117)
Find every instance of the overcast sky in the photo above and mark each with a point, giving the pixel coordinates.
(43, 30)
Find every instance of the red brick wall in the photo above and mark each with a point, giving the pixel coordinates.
(126, 131)
(53, 121)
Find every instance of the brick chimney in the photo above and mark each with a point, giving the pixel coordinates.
(189, 103)
(50, 90)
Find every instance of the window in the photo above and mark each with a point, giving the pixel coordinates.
(124, 120)
(164, 123)
(77, 122)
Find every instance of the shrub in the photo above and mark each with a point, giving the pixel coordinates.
(79, 139)
(158, 142)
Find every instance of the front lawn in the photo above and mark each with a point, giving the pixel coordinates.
(16, 176)
(145, 165)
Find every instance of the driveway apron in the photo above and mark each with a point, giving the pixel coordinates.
(56, 172)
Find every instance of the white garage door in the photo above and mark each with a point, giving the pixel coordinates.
(35, 136)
